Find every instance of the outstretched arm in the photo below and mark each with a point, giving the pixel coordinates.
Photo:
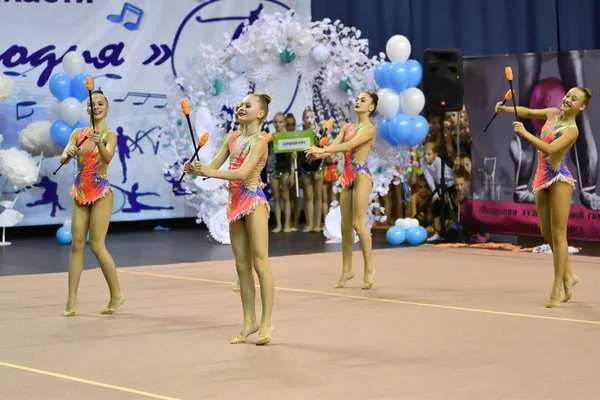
(567, 138)
(366, 135)
(524, 112)
(70, 149)
(259, 150)
(221, 156)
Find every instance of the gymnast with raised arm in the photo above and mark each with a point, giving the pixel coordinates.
(553, 183)
(356, 141)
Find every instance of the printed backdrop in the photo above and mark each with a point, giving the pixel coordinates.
(504, 166)
(133, 50)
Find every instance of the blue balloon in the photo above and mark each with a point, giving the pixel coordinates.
(420, 129)
(63, 235)
(380, 75)
(78, 87)
(398, 76)
(400, 128)
(60, 86)
(383, 129)
(414, 73)
(396, 235)
(416, 235)
(60, 132)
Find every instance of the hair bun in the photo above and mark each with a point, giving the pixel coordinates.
(266, 98)
(590, 92)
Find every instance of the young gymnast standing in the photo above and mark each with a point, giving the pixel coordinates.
(356, 141)
(247, 212)
(553, 183)
(92, 202)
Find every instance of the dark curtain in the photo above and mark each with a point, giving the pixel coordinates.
(477, 27)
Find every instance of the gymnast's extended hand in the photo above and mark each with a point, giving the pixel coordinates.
(314, 150)
(519, 128)
(195, 168)
(95, 136)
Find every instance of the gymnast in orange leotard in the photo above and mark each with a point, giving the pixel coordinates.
(92, 202)
(356, 140)
(247, 212)
(553, 184)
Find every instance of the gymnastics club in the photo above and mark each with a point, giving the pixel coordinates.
(507, 96)
(89, 84)
(509, 76)
(268, 138)
(201, 143)
(185, 107)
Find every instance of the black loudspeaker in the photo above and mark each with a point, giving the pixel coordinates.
(442, 80)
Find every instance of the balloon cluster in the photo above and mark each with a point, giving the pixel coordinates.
(406, 230)
(400, 101)
(71, 110)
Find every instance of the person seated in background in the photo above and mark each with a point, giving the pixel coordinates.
(432, 170)
(418, 208)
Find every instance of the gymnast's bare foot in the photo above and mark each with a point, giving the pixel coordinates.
(287, 229)
(264, 334)
(346, 276)
(277, 229)
(568, 285)
(368, 280)
(554, 298)
(70, 308)
(114, 303)
(246, 331)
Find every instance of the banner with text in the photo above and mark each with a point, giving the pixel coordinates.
(133, 50)
(504, 164)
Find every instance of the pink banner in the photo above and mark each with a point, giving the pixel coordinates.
(522, 219)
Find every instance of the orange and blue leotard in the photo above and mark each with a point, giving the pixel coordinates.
(353, 168)
(245, 195)
(90, 182)
(552, 170)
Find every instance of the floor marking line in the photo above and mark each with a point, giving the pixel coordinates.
(88, 382)
(411, 303)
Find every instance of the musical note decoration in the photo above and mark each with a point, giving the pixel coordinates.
(145, 97)
(22, 105)
(129, 10)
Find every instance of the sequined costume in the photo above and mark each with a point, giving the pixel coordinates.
(245, 195)
(549, 170)
(278, 164)
(90, 182)
(351, 167)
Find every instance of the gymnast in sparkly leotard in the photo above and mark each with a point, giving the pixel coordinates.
(356, 140)
(93, 201)
(553, 184)
(247, 212)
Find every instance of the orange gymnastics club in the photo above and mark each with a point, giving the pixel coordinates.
(201, 143)
(509, 77)
(89, 84)
(507, 96)
(185, 107)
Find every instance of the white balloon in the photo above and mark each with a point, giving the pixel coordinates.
(319, 53)
(413, 222)
(70, 110)
(389, 103)
(238, 64)
(84, 117)
(398, 48)
(404, 223)
(73, 63)
(412, 102)
(56, 110)
(399, 221)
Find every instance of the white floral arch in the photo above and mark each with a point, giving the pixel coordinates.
(333, 63)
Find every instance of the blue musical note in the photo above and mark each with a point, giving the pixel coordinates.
(144, 96)
(128, 8)
(132, 197)
(50, 195)
(23, 104)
